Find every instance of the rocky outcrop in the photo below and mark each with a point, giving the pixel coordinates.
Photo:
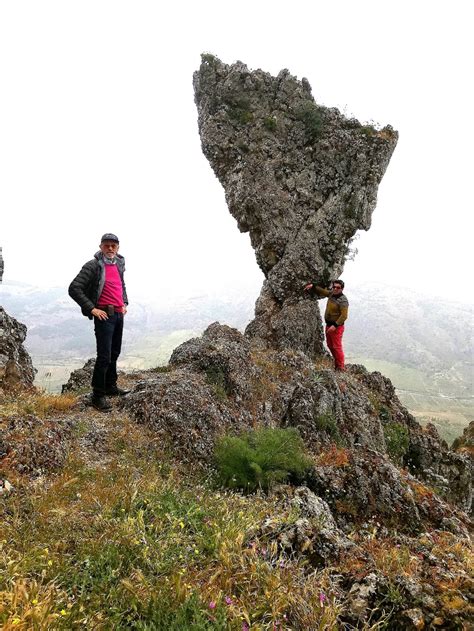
(299, 177)
(1, 265)
(31, 445)
(16, 367)
(217, 384)
(313, 533)
(80, 379)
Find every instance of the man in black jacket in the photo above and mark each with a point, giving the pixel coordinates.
(99, 289)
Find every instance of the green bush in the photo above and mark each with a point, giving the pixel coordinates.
(216, 378)
(327, 423)
(260, 458)
(368, 130)
(209, 59)
(238, 109)
(161, 369)
(397, 440)
(270, 123)
(310, 116)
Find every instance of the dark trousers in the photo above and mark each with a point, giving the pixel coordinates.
(108, 335)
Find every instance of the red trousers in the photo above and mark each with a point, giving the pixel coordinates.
(334, 342)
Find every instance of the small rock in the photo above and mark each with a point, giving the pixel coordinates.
(5, 487)
(413, 619)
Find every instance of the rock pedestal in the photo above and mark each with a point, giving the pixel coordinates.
(299, 177)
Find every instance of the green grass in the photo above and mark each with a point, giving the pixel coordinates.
(260, 458)
(397, 440)
(132, 542)
(124, 537)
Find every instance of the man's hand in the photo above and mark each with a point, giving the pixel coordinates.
(98, 313)
(124, 309)
(308, 287)
(331, 328)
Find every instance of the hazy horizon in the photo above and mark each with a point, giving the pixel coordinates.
(99, 133)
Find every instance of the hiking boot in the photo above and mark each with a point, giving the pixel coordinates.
(101, 404)
(115, 391)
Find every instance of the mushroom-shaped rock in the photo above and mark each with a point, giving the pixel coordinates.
(299, 177)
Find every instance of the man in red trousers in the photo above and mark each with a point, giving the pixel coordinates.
(337, 309)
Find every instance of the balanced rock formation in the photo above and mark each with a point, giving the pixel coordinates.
(299, 177)
(16, 368)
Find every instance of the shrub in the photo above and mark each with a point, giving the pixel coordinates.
(327, 423)
(162, 369)
(368, 130)
(238, 109)
(310, 116)
(270, 123)
(209, 59)
(260, 458)
(216, 378)
(397, 440)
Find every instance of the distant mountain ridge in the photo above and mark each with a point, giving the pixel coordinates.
(424, 344)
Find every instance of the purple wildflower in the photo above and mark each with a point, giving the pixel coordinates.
(212, 604)
(228, 600)
(322, 598)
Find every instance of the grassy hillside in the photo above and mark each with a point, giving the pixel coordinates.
(111, 533)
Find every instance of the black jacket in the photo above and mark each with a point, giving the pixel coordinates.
(86, 288)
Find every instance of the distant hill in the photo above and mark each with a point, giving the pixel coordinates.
(424, 345)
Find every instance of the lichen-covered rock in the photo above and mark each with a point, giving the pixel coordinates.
(223, 355)
(32, 446)
(299, 177)
(418, 448)
(295, 324)
(80, 379)
(363, 486)
(186, 410)
(465, 443)
(449, 472)
(313, 533)
(216, 384)
(16, 367)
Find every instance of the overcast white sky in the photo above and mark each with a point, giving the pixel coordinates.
(98, 132)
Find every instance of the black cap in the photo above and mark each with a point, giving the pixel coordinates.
(108, 236)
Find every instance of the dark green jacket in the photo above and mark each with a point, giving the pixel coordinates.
(337, 307)
(87, 287)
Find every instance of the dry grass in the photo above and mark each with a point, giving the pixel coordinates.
(333, 457)
(123, 537)
(40, 404)
(102, 547)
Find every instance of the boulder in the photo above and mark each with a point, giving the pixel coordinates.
(16, 367)
(80, 379)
